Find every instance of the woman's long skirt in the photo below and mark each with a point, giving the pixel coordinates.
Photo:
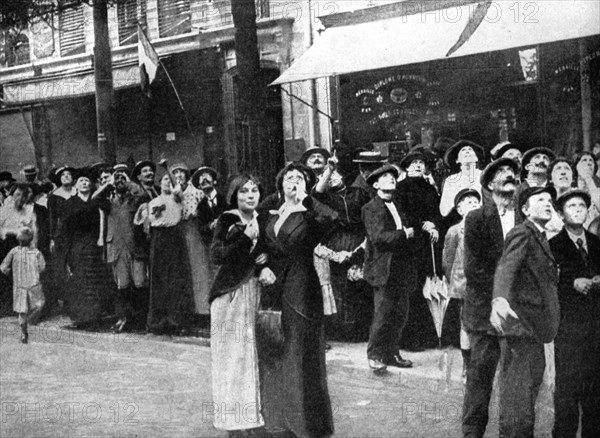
(235, 374)
(200, 265)
(170, 279)
(295, 394)
(89, 285)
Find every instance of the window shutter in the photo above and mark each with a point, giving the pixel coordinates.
(72, 36)
(129, 13)
(174, 17)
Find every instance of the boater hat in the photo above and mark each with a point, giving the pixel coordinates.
(29, 170)
(369, 157)
(501, 148)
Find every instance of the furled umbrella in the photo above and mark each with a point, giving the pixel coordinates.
(435, 292)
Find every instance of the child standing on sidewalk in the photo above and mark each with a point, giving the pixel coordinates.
(453, 259)
(26, 264)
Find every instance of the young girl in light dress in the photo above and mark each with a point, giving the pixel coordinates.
(26, 264)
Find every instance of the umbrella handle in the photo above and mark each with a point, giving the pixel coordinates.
(433, 259)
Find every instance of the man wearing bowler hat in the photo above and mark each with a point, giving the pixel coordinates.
(315, 158)
(485, 231)
(388, 268)
(577, 344)
(534, 171)
(525, 311)
(212, 204)
(143, 173)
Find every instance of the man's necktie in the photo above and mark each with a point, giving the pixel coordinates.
(582, 252)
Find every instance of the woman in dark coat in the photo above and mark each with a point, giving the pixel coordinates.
(295, 385)
(89, 285)
(63, 179)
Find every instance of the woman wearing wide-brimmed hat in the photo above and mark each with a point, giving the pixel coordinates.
(89, 285)
(464, 159)
(63, 179)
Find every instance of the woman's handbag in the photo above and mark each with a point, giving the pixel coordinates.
(269, 332)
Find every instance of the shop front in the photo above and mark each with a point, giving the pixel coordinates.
(487, 72)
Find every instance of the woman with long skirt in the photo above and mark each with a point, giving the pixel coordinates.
(191, 232)
(238, 250)
(89, 283)
(295, 389)
(170, 276)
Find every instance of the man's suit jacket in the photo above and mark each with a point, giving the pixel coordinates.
(385, 243)
(207, 214)
(575, 306)
(484, 242)
(527, 276)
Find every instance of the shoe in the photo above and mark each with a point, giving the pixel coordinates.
(119, 325)
(415, 348)
(24, 338)
(376, 365)
(397, 361)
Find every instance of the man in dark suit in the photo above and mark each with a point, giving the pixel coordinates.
(525, 311)
(577, 344)
(485, 230)
(212, 204)
(389, 268)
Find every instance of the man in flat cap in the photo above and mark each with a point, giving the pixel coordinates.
(525, 311)
(485, 231)
(577, 344)
(388, 268)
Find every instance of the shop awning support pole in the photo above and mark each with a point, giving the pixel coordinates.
(308, 104)
(586, 96)
(337, 126)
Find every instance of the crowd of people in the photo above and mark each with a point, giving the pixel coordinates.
(516, 240)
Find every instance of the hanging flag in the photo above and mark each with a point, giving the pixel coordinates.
(148, 61)
(474, 21)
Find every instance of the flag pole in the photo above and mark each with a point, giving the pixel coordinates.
(155, 59)
(187, 120)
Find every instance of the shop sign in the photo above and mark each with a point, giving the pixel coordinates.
(42, 39)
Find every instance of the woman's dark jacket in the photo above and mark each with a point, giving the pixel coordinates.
(231, 250)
